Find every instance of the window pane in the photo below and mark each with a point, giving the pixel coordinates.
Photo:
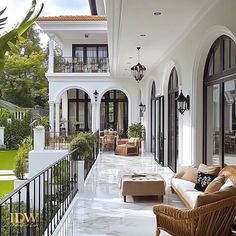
(226, 53)
(217, 68)
(230, 123)
(79, 52)
(213, 116)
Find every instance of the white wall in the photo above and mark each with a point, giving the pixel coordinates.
(57, 86)
(39, 160)
(189, 57)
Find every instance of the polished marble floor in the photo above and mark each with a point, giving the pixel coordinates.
(100, 209)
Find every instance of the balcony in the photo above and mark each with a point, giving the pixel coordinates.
(81, 65)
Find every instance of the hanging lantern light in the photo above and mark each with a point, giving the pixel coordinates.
(139, 69)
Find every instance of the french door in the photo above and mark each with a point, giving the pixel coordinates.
(158, 129)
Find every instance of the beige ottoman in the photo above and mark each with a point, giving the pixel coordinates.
(143, 185)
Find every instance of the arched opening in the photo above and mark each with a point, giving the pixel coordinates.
(114, 111)
(76, 111)
(173, 120)
(219, 109)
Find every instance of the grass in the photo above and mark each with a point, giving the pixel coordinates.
(7, 160)
(6, 186)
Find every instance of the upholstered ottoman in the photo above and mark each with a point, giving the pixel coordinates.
(143, 185)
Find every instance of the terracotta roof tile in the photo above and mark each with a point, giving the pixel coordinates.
(72, 18)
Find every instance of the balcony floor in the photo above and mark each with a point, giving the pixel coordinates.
(101, 211)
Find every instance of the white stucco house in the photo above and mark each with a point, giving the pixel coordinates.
(185, 45)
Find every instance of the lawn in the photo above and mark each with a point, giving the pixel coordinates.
(6, 186)
(7, 160)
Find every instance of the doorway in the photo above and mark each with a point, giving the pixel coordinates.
(173, 130)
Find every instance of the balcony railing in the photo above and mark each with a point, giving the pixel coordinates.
(37, 206)
(80, 65)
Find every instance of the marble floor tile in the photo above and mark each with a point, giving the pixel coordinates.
(100, 209)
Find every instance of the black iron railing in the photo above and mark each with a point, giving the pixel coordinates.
(57, 141)
(88, 162)
(80, 65)
(37, 206)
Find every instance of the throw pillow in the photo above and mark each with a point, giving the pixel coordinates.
(215, 185)
(190, 174)
(211, 170)
(227, 171)
(214, 197)
(203, 180)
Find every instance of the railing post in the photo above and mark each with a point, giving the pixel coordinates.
(39, 138)
(81, 176)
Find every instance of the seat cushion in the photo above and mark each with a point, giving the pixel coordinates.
(186, 189)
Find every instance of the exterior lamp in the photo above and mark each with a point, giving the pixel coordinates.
(138, 70)
(142, 107)
(183, 103)
(96, 95)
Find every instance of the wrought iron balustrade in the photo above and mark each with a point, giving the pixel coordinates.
(81, 65)
(37, 206)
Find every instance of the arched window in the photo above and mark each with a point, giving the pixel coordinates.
(172, 120)
(114, 111)
(219, 125)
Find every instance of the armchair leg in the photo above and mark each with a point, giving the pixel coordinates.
(124, 198)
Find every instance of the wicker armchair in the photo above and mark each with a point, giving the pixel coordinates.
(128, 148)
(213, 219)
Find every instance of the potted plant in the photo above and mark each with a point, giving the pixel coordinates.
(136, 130)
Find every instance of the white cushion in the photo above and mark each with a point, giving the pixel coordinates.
(186, 188)
(227, 183)
(179, 182)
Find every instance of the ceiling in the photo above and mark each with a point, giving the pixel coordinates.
(128, 19)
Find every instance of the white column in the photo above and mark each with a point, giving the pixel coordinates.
(39, 138)
(93, 116)
(57, 120)
(65, 109)
(2, 136)
(51, 116)
(51, 54)
(97, 118)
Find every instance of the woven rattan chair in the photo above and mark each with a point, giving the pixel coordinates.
(213, 219)
(127, 148)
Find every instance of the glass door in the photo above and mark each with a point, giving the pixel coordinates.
(159, 137)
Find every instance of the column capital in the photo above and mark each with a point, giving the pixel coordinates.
(51, 102)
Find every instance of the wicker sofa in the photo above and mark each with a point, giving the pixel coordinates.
(183, 182)
(210, 213)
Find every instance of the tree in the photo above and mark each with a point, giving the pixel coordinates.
(9, 40)
(23, 80)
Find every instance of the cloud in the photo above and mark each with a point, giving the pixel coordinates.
(16, 9)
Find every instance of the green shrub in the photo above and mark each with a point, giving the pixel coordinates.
(136, 130)
(20, 168)
(90, 138)
(16, 130)
(21, 155)
(84, 149)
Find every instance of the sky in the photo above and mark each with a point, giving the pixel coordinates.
(16, 9)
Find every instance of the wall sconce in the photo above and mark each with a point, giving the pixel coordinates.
(96, 95)
(183, 103)
(142, 107)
